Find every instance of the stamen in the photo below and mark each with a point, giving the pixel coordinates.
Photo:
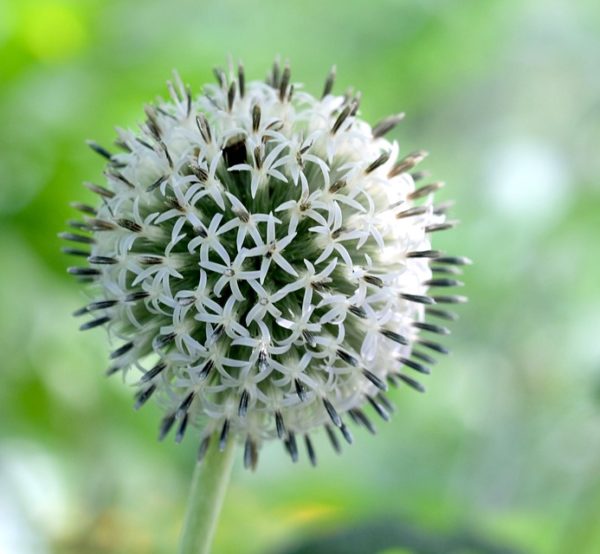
(332, 438)
(415, 365)
(443, 283)
(381, 160)
(165, 426)
(241, 80)
(375, 380)
(203, 448)
(386, 125)
(224, 435)
(243, 405)
(329, 82)
(99, 149)
(411, 382)
(143, 396)
(310, 450)
(332, 413)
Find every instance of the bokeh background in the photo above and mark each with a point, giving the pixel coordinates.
(503, 452)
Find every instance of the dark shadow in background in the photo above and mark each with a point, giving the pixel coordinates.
(373, 537)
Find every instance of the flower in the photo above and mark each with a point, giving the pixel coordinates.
(262, 258)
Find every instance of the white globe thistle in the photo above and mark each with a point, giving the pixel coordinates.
(261, 260)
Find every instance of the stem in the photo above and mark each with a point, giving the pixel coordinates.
(209, 485)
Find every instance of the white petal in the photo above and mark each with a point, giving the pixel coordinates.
(284, 264)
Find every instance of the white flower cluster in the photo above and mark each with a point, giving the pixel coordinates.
(262, 259)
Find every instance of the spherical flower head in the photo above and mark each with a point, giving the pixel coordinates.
(261, 260)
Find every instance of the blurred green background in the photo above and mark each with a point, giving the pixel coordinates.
(501, 455)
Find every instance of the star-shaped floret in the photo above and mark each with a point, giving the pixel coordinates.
(263, 167)
(245, 222)
(271, 250)
(209, 240)
(226, 319)
(301, 208)
(265, 303)
(231, 274)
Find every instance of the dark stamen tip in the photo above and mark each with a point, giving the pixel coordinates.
(456, 299)
(224, 435)
(291, 446)
(415, 365)
(432, 328)
(185, 404)
(99, 149)
(102, 260)
(381, 385)
(94, 323)
(312, 456)
(346, 433)
(300, 391)
(418, 298)
(73, 237)
(425, 190)
(134, 296)
(165, 426)
(346, 357)
(359, 417)
(121, 351)
(436, 347)
(412, 212)
(333, 438)
(381, 160)
(243, 404)
(411, 382)
(442, 314)
(379, 410)
(329, 82)
(454, 260)
(75, 252)
(203, 448)
(386, 125)
(181, 429)
(441, 226)
(250, 454)
(279, 425)
(443, 283)
(332, 413)
(112, 370)
(424, 357)
(142, 396)
(396, 337)
(153, 372)
(424, 254)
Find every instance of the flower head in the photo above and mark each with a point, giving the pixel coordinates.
(261, 259)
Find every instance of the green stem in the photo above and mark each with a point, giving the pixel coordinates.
(209, 485)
